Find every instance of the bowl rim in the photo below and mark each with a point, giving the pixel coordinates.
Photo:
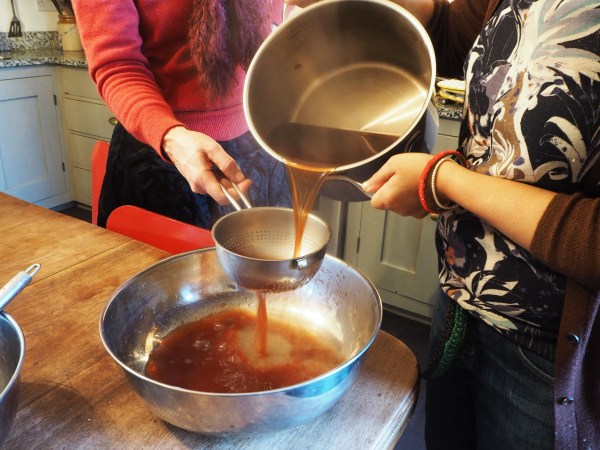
(17, 372)
(284, 389)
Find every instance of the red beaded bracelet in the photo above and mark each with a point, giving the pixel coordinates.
(437, 158)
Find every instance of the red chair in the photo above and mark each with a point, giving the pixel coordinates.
(157, 230)
(140, 224)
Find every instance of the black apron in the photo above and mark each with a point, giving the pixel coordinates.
(136, 175)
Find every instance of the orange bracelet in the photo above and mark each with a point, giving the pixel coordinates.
(423, 182)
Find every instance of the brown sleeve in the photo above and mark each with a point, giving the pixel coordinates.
(567, 239)
(453, 28)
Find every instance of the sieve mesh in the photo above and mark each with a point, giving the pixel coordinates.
(267, 244)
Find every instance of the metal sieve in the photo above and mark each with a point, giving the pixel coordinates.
(255, 247)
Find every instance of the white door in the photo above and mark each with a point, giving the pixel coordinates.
(398, 255)
(31, 165)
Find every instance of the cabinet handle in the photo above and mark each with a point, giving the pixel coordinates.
(113, 120)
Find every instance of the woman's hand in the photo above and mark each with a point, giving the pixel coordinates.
(494, 200)
(195, 155)
(396, 184)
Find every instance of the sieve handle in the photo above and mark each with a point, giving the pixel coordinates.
(221, 176)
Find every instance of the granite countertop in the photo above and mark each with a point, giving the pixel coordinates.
(34, 57)
(448, 110)
(57, 57)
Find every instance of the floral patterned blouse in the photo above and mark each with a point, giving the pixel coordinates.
(532, 115)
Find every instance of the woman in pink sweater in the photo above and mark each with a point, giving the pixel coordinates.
(173, 73)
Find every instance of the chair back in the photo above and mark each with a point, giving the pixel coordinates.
(155, 229)
(160, 231)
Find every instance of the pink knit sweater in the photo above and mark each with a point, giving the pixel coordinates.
(138, 55)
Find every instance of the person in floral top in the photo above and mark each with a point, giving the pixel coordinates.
(515, 335)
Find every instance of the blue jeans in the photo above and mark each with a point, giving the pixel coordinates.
(495, 395)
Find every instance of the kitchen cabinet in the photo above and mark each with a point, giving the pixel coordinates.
(398, 253)
(31, 147)
(334, 213)
(87, 119)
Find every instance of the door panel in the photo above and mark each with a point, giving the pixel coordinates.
(31, 166)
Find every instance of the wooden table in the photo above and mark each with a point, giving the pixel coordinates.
(73, 395)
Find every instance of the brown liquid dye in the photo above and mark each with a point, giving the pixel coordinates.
(321, 147)
(312, 152)
(305, 184)
(234, 351)
(218, 353)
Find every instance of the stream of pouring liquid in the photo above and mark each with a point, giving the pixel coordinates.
(305, 183)
(311, 152)
(308, 172)
(262, 342)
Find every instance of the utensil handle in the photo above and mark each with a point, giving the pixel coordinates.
(17, 284)
(354, 183)
(221, 176)
(286, 12)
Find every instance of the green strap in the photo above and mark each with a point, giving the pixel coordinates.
(450, 343)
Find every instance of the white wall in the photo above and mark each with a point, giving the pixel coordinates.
(31, 19)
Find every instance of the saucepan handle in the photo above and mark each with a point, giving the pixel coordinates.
(354, 183)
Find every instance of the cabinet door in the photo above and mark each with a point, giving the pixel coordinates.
(81, 148)
(398, 253)
(31, 165)
(86, 119)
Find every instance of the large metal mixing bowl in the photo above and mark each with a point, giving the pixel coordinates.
(12, 354)
(339, 304)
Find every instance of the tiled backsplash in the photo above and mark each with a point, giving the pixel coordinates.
(29, 40)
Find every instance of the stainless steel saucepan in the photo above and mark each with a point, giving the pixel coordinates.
(344, 85)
